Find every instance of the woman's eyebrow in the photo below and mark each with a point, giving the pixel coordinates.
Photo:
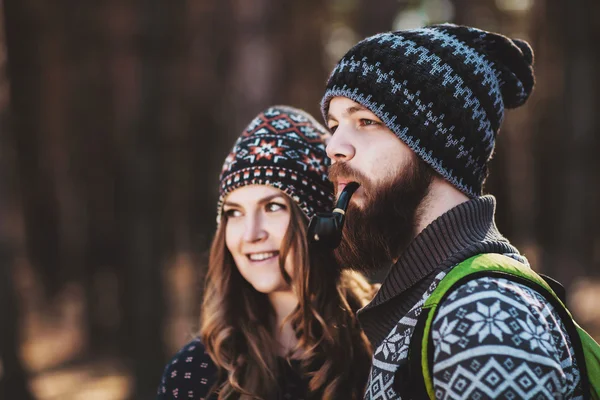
(260, 201)
(269, 198)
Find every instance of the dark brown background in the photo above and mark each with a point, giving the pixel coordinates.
(115, 117)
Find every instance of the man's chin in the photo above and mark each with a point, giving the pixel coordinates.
(360, 248)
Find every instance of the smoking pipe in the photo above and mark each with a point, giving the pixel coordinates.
(325, 228)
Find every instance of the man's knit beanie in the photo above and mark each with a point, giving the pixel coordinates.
(441, 89)
(283, 147)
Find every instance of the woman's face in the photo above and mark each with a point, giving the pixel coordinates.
(258, 217)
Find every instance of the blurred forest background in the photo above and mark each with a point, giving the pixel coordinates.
(115, 117)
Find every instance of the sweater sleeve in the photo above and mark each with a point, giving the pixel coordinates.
(494, 338)
(189, 375)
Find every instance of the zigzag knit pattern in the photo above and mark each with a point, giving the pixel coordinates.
(493, 339)
(441, 89)
(282, 147)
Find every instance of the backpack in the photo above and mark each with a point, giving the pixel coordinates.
(419, 367)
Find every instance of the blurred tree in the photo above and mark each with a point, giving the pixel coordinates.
(278, 58)
(142, 204)
(486, 15)
(13, 377)
(200, 121)
(92, 45)
(124, 111)
(545, 172)
(568, 133)
(372, 17)
(481, 14)
(513, 176)
(300, 56)
(33, 123)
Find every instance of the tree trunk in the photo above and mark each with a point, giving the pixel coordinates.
(568, 127)
(143, 197)
(375, 16)
(90, 41)
(302, 72)
(31, 85)
(576, 152)
(13, 377)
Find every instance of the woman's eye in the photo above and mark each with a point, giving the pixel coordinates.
(332, 129)
(232, 213)
(272, 207)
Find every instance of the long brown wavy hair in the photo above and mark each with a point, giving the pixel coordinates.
(237, 323)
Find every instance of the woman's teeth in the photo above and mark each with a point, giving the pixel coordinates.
(261, 256)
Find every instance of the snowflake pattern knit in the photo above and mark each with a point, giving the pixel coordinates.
(493, 339)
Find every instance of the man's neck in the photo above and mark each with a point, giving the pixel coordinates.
(442, 197)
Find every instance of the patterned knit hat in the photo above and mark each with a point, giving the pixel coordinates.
(283, 147)
(441, 89)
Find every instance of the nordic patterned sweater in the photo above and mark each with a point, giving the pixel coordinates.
(191, 373)
(492, 338)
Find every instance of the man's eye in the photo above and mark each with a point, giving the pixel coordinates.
(232, 213)
(366, 122)
(273, 207)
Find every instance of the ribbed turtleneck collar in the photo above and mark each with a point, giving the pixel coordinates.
(465, 230)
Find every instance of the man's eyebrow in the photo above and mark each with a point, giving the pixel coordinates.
(354, 109)
(347, 112)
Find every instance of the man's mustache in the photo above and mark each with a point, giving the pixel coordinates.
(341, 170)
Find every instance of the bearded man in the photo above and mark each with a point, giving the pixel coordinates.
(414, 116)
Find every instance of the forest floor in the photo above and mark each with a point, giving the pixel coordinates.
(53, 342)
(54, 339)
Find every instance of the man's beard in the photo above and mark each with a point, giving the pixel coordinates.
(377, 234)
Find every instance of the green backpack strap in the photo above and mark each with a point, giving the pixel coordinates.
(591, 354)
(587, 351)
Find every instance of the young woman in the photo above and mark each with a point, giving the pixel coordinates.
(278, 320)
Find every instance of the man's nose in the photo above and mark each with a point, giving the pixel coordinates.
(339, 148)
(255, 230)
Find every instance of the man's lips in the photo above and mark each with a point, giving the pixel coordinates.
(343, 181)
(340, 184)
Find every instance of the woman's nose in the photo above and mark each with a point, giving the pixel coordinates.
(255, 230)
